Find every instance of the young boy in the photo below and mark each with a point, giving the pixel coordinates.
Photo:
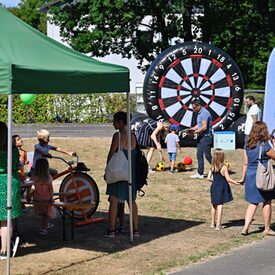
(172, 141)
(41, 150)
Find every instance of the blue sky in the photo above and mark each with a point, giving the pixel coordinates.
(10, 3)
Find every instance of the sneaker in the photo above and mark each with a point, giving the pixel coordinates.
(43, 232)
(171, 171)
(15, 246)
(197, 176)
(3, 255)
(110, 234)
(49, 225)
(150, 170)
(136, 234)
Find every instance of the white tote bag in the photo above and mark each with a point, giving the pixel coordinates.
(117, 167)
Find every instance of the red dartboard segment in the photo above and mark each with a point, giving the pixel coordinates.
(193, 70)
(161, 81)
(217, 63)
(216, 121)
(175, 63)
(161, 104)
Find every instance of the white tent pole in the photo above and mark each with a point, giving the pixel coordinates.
(130, 168)
(9, 166)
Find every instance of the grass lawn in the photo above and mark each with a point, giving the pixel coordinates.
(174, 223)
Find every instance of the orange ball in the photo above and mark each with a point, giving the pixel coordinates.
(188, 161)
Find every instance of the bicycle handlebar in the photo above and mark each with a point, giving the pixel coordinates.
(70, 162)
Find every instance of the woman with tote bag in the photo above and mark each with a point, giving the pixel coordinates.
(118, 191)
(258, 139)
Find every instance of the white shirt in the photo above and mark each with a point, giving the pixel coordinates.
(253, 110)
(171, 140)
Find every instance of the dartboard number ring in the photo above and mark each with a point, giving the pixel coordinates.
(193, 70)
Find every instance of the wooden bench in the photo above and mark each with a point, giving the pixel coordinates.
(63, 209)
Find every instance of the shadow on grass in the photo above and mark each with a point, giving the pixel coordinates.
(234, 223)
(91, 237)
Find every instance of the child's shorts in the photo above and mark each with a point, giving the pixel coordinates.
(172, 156)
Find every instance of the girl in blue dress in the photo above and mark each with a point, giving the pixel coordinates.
(259, 136)
(220, 190)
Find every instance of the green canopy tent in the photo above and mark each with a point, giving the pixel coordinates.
(31, 62)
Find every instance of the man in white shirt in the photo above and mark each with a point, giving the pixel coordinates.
(253, 115)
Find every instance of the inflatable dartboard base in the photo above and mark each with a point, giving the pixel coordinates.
(238, 127)
(189, 71)
(139, 119)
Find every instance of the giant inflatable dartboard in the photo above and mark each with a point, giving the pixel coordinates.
(188, 71)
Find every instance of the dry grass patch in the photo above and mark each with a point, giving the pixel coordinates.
(174, 224)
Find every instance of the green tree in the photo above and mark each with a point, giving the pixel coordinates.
(29, 11)
(240, 27)
(118, 26)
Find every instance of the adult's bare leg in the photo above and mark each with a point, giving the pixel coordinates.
(250, 212)
(4, 231)
(135, 215)
(112, 212)
(267, 215)
(149, 155)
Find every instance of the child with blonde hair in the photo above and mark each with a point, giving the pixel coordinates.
(43, 192)
(220, 189)
(41, 150)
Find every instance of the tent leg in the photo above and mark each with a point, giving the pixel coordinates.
(130, 168)
(9, 165)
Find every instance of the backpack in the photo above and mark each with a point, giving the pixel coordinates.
(142, 171)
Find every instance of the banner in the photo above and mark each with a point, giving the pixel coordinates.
(269, 99)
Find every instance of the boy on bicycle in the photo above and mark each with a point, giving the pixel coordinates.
(41, 150)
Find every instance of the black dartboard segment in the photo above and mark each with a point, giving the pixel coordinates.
(188, 71)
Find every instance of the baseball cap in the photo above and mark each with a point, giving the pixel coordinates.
(174, 127)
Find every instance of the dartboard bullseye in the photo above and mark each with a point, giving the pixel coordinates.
(188, 71)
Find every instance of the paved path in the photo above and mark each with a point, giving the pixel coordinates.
(66, 130)
(252, 259)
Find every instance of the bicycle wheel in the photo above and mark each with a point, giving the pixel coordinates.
(87, 189)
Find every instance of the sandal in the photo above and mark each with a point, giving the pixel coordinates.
(269, 233)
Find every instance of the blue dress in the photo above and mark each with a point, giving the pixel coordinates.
(252, 193)
(220, 190)
(120, 189)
